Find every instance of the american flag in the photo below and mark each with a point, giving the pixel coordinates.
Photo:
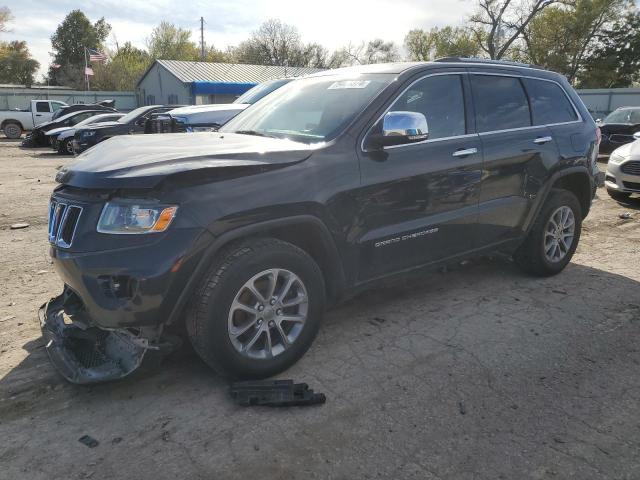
(95, 56)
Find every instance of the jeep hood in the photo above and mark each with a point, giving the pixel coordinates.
(143, 161)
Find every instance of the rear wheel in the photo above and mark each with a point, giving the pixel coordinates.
(12, 130)
(258, 310)
(554, 237)
(618, 196)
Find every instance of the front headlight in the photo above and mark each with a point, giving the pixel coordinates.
(131, 218)
(616, 159)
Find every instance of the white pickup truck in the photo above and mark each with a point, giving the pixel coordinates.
(14, 122)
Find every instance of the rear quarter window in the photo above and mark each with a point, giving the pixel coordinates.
(501, 103)
(549, 102)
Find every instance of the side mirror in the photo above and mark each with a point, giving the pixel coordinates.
(636, 135)
(399, 128)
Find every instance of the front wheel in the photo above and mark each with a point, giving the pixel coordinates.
(65, 147)
(554, 237)
(258, 310)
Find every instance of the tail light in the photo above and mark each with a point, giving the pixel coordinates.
(598, 135)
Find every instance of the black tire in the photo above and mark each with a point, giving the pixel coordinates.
(65, 147)
(12, 130)
(530, 256)
(618, 196)
(207, 317)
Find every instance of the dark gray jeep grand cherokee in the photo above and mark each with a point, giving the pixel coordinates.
(328, 184)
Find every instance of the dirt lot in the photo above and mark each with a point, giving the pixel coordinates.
(480, 372)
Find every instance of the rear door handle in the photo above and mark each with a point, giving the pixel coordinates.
(465, 152)
(542, 140)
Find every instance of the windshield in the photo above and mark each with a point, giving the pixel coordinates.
(259, 91)
(310, 110)
(626, 115)
(93, 119)
(133, 114)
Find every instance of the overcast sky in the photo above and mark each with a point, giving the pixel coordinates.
(333, 23)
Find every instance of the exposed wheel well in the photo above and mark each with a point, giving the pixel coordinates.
(312, 240)
(5, 122)
(579, 185)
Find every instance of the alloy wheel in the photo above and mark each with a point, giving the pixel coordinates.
(268, 314)
(558, 234)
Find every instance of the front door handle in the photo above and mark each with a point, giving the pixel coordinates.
(542, 140)
(465, 152)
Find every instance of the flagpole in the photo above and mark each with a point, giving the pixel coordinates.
(86, 65)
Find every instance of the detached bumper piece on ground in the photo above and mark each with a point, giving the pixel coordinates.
(85, 354)
(275, 393)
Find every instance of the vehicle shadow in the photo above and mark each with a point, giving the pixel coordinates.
(33, 385)
(632, 202)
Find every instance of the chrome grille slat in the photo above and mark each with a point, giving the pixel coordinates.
(63, 221)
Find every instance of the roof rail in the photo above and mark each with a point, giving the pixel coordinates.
(486, 60)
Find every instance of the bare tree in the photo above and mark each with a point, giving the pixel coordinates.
(373, 51)
(497, 24)
(5, 17)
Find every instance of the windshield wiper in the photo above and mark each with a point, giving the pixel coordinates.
(253, 132)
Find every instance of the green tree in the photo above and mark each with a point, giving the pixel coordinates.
(169, 42)
(16, 64)
(615, 62)
(441, 42)
(562, 36)
(123, 70)
(69, 41)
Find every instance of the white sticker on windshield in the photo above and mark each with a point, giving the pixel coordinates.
(349, 84)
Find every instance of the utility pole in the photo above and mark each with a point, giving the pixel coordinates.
(202, 39)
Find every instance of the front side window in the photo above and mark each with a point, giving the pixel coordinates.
(500, 103)
(55, 106)
(549, 104)
(310, 110)
(42, 107)
(440, 99)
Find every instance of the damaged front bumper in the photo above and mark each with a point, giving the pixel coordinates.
(86, 354)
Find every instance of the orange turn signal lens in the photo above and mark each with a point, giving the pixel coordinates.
(165, 219)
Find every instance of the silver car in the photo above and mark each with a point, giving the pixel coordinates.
(623, 170)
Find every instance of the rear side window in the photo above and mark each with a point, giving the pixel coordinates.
(441, 100)
(500, 103)
(549, 103)
(42, 107)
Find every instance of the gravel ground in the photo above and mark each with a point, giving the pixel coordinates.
(479, 372)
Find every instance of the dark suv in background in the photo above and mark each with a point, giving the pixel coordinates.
(618, 128)
(132, 122)
(320, 189)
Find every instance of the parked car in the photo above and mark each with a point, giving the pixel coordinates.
(623, 170)
(14, 122)
(38, 136)
(195, 118)
(618, 128)
(315, 192)
(105, 105)
(208, 118)
(61, 139)
(132, 122)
